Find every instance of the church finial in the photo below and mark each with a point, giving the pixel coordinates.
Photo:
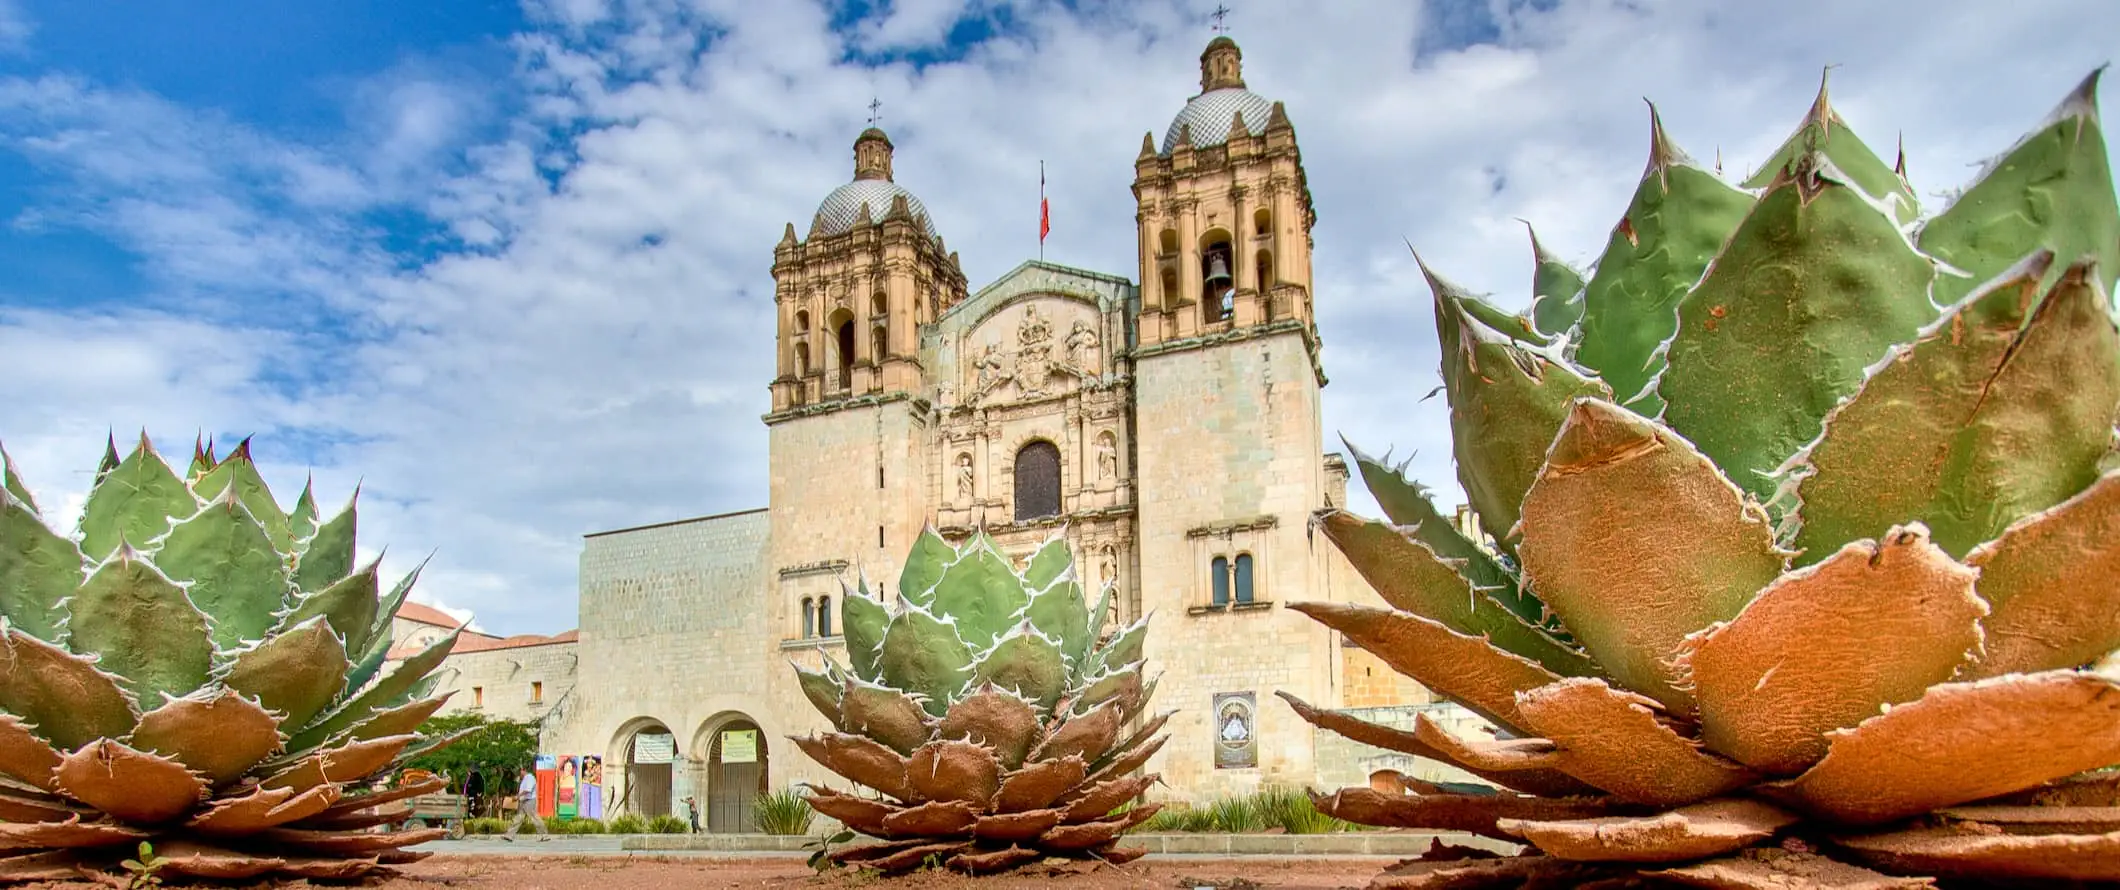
(875, 112)
(1220, 15)
(872, 149)
(1222, 65)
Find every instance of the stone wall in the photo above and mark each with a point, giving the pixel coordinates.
(1343, 762)
(531, 684)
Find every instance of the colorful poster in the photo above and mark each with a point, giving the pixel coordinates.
(739, 746)
(547, 785)
(569, 786)
(592, 793)
(1236, 736)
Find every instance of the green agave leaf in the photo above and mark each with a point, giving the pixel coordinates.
(370, 662)
(141, 627)
(202, 459)
(1815, 286)
(1053, 557)
(2052, 191)
(1507, 400)
(823, 691)
(923, 654)
(1106, 688)
(981, 593)
(13, 483)
(1823, 132)
(110, 458)
(1061, 611)
(38, 568)
(403, 719)
(386, 613)
(1556, 291)
(862, 620)
(1407, 504)
(297, 673)
(230, 569)
(68, 699)
(923, 567)
(1125, 650)
(884, 714)
(237, 473)
(2001, 409)
(382, 694)
(302, 521)
(133, 501)
(1679, 218)
(1411, 577)
(1028, 663)
(348, 605)
(1636, 541)
(329, 554)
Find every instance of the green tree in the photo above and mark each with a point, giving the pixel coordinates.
(500, 752)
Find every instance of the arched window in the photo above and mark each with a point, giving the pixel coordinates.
(1262, 222)
(879, 305)
(879, 342)
(1217, 277)
(1264, 270)
(1037, 481)
(824, 616)
(1169, 241)
(846, 354)
(809, 619)
(802, 321)
(802, 359)
(1218, 573)
(1243, 578)
(1170, 287)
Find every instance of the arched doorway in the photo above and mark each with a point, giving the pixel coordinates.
(650, 756)
(736, 774)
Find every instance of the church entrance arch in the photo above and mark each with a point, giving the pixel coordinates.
(649, 752)
(736, 759)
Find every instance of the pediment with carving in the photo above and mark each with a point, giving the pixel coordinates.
(1032, 349)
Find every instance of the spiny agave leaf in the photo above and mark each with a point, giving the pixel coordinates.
(220, 736)
(1127, 647)
(862, 620)
(1506, 402)
(1556, 291)
(238, 474)
(1124, 685)
(1001, 720)
(369, 663)
(328, 555)
(1711, 828)
(1406, 503)
(982, 594)
(946, 770)
(884, 714)
(1500, 755)
(2001, 409)
(110, 457)
(1879, 623)
(1060, 611)
(1046, 565)
(1027, 662)
(1963, 742)
(296, 673)
(13, 483)
(1815, 286)
(1823, 132)
(1545, 783)
(823, 691)
(2004, 859)
(1466, 669)
(1678, 220)
(2052, 191)
(302, 520)
(394, 682)
(349, 604)
(386, 613)
(1038, 785)
(2053, 579)
(401, 720)
(1088, 736)
(134, 786)
(24, 756)
(924, 655)
(133, 502)
(229, 568)
(38, 568)
(923, 567)
(202, 459)
(861, 760)
(64, 695)
(1771, 867)
(1620, 742)
(1635, 540)
(1410, 576)
(141, 627)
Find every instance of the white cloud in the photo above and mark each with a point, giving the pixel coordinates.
(15, 27)
(598, 355)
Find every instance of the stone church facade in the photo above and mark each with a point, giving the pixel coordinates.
(1166, 422)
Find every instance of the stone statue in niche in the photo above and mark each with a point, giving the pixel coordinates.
(964, 477)
(1082, 349)
(1107, 456)
(945, 396)
(1107, 566)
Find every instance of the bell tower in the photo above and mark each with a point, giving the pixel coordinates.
(1224, 213)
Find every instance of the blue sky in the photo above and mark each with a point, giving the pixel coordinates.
(505, 264)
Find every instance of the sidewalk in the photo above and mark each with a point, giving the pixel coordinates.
(1398, 844)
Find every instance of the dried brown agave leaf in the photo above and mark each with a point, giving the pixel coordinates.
(1964, 742)
(1772, 868)
(1097, 801)
(1877, 623)
(1544, 783)
(192, 859)
(300, 776)
(884, 714)
(1012, 827)
(1036, 786)
(359, 760)
(412, 783)
(262, 808)
(392, 814)
(1636, 540)
(2037, 820)
(24, 808)
(349, 843)
(992, 862)
(220, 737)
(1126, 763)
(66, 697)
(936, 818)
(296, 673)
(994, 717)
(71, 834)
(24, 755)
(1481, 874)
(1087, 736)
(340, 869)
(1085, 835)
(1498, 755)
(135, 786)
(1614, 740)
(946, 771)
(862, 760)
(1710, 828)
(2094, 789)
(54, 865)
(913, 857)
(1468, 670)
(1958, 852)
(858, 813)
(1475, 813)
(2054, 580)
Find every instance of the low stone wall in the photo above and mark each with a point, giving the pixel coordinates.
(1343, 762)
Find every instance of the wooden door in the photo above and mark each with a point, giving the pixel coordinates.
(736, 776)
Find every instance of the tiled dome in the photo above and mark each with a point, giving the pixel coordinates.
(843, 205)
(1209, 115)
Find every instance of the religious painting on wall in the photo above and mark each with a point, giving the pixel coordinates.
(592, 792)
(569, 791)
(1236, 736)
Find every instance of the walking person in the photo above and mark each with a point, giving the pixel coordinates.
(526, 809)
(692, 813)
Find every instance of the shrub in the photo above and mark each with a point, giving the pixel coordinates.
(668, 824)
(485, 825)
(585, 826)
(786, 811)
(627, 823)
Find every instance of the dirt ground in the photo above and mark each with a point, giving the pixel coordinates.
(789, 873)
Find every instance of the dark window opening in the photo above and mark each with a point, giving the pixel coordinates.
(1243, 578)
(1037, 481)
(824, 616)
(802, 359)
(1262, 221)
(809, 619)
(1265, 270)
(1219, 574)
(1217, 282)
(846, 355)
(880, 343)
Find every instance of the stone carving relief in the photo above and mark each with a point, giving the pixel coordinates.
(1082, 350)
(1107, 456)
(1038, 359)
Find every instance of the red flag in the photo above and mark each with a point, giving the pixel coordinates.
(1045, 207)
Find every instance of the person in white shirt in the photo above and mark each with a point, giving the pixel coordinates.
(526, 808)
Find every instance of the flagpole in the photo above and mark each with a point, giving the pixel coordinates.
(1042, 213)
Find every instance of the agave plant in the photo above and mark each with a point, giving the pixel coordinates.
(197, 669)
(983, 707)
(1800, 531)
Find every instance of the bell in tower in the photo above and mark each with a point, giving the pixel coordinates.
(1216, 284)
